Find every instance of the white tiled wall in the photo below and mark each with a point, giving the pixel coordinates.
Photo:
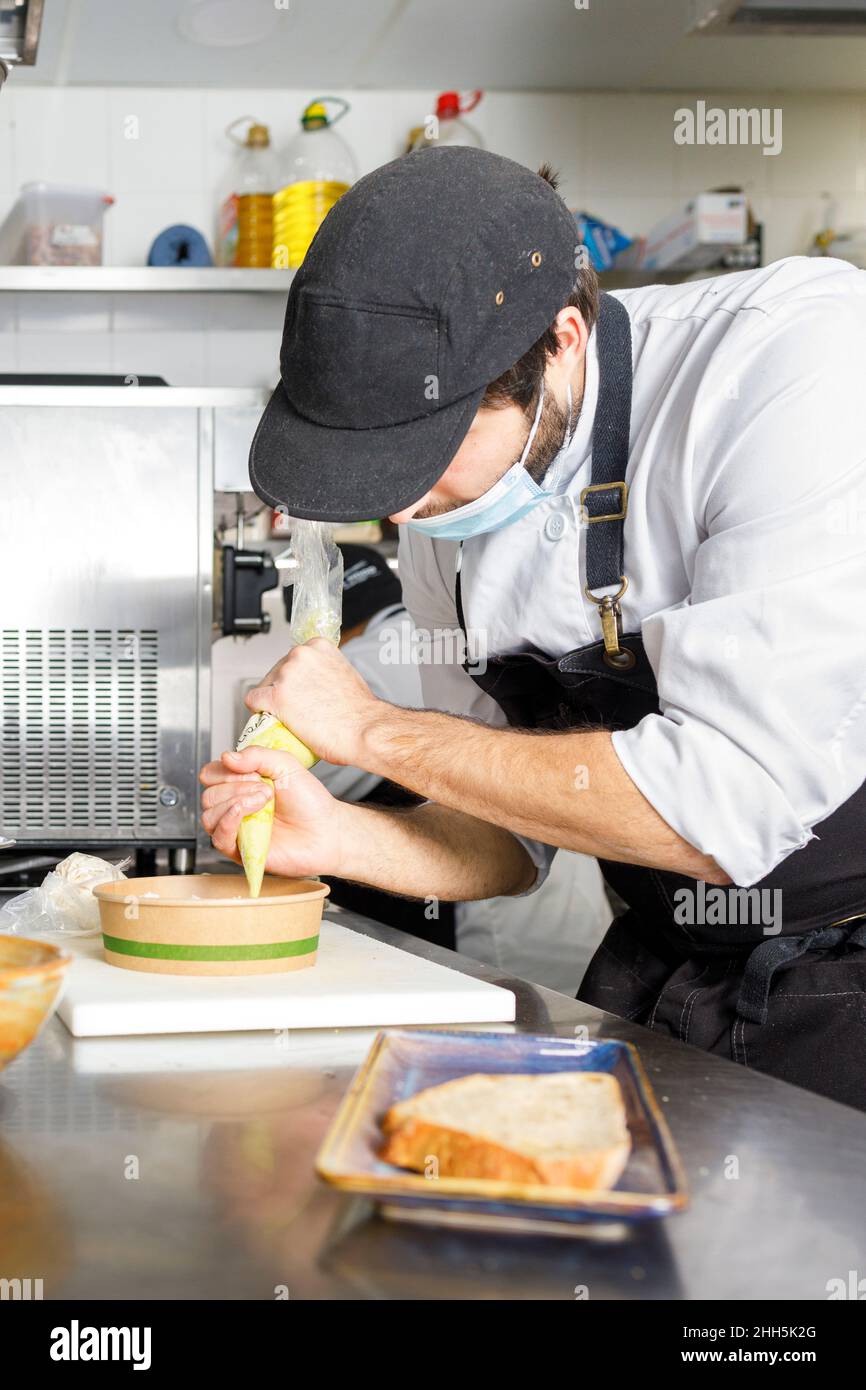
(164, 156)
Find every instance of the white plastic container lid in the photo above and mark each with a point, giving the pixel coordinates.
(91, 199)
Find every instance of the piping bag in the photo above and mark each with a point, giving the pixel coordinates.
(317, 601)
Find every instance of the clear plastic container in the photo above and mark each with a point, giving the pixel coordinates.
(54, 224)
(446, 126)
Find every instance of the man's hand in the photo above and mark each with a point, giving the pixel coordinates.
(306, 837)
(423, 852)
(320, 697)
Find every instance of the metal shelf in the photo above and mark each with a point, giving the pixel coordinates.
(637, 279)
(117, 279)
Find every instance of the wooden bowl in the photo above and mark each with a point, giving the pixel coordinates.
(207, 924)
(31, 979)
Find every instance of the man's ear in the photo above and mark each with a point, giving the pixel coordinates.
(572, 334)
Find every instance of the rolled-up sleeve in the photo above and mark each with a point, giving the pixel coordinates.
(761, 672)
(427, 577)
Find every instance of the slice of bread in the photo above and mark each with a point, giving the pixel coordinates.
(561, 1129)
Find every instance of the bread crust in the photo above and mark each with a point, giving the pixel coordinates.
(451, 1153)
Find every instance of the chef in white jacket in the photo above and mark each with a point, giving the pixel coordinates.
(645, 516)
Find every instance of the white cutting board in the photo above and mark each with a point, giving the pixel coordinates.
(356, 982)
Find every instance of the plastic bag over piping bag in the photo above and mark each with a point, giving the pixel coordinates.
(317, 579)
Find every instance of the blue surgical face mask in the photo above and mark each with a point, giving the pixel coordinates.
(512, 497)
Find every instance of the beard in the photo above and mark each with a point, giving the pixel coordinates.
(554, 428)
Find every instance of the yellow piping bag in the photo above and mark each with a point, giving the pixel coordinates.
(317, 601)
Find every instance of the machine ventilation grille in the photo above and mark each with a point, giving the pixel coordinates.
(80, 732)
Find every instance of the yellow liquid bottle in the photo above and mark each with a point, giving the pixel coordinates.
(317, 168)
(245, 230)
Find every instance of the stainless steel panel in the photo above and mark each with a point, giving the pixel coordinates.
(214, 1222)
(233, 435)
(105, 538)
(20, 27)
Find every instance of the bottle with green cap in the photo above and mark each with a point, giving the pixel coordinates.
(316, 168)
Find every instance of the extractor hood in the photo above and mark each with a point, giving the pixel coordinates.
(755, 17)
(20, 22)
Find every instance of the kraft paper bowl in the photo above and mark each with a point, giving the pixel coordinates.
(207, 924)
(31, 980)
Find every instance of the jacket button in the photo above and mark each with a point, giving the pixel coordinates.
(554, 526)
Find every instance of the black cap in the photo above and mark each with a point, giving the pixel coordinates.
(369, 584)
(428, 279)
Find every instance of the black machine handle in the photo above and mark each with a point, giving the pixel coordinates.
(247, 576)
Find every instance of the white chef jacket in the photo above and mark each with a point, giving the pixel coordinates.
(549, 939)
(745, 551)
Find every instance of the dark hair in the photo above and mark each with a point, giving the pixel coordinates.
(521, 384)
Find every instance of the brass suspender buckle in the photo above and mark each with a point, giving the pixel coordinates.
(621, 488)
(620, 658)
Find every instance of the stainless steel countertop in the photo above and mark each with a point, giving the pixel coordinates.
(182, 1167)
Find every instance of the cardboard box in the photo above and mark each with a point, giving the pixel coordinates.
(697, 236)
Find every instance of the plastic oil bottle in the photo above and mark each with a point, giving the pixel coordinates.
(245, 230)
(446, 125)
(316, 168)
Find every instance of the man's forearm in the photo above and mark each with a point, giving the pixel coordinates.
(565, 789)
(568, 789)
(430, 851)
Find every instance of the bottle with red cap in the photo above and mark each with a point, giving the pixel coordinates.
(446, 126)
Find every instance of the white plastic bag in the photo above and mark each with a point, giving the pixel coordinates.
(64, 901)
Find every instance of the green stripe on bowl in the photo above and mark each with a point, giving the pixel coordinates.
(160, 950)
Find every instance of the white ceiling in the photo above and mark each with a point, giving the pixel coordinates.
(528, 45)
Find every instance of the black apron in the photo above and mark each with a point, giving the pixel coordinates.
(410, 915)
(792, 1004)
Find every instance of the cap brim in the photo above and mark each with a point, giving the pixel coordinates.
(326, 474)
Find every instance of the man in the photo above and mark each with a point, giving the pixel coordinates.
(547, 938)
(647, 515)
